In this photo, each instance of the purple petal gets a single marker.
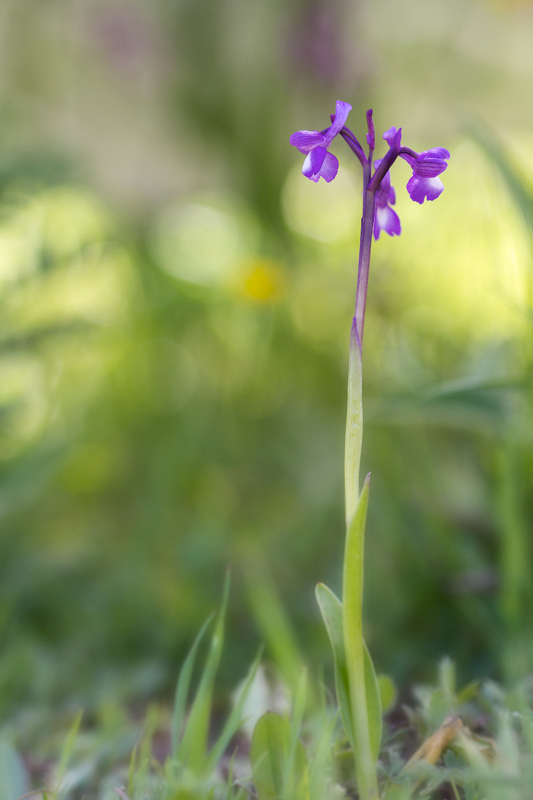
(427, 166)
(436, 152)
(385, 193)
(305, 141)
(330, 167)
(307, 168)
(419, 188)
(390, 135)
(386, 219)
(341, 115)
(314, 161)
(397, 141)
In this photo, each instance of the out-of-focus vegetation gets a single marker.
(175, 304)
(471, 742)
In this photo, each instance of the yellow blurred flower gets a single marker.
(261, 281)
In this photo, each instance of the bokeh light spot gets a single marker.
(327, 212)
(200, 243)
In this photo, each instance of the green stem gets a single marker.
(352, 604)
(354, 427)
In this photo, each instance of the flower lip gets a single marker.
(420, 189)
(386, 219)
(320, 163)
(313, 162)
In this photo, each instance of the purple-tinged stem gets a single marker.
(365, 246)
(354, 416)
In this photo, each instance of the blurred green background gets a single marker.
(175, 303)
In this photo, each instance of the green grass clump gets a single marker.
(473, 742)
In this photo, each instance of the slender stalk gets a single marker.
(367, 223)
(356, 506)
(354, 415)
(354, 426)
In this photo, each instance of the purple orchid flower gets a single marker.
(426, 166)
(385, 218)
(319, 162)
(378, 194)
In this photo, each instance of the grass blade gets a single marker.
(182, 688)
(191, 752)
(66, 754)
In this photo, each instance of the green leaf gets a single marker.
(13, 779)
(468, 692)
(387, 692)
(373, 705)
(331, 610)
(270, 752)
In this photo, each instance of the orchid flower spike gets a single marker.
(424, 183)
